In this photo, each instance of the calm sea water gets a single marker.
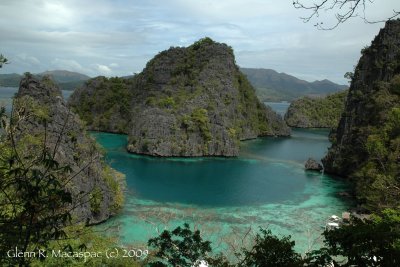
(265, 186)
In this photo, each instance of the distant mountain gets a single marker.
(274, 86)
(64, 76)
(67, 80)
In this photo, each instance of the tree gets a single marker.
(271, 251)
(3, 60)
(35, 206)
(343, 10)
(368, 242)
(181, 247)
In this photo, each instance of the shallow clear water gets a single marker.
(225, 197)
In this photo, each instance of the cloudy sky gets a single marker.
(118, 37)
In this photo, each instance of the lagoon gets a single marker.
(266, 186)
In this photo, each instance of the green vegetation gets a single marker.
(3, 60)
(308, 112)
(269, 250)
(114, 181)
(368, 242)
(371, 159)
(95, 199)
(107, 107)
(40, 187)
(181, 247)
(33, 193)
(202, 122)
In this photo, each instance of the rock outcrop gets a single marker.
(190, 102)
(95, 187)
(312, 165)
(322, 112)
(366, 146)
(369, 100)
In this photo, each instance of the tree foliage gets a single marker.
(269, 250)
(3, 61)
(181, 247)
(35, 206)
(343, 10)
(368, 242)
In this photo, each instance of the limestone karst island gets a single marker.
(200, 133)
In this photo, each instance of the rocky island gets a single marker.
(188, 102)
(96, 189)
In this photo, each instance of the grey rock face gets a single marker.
(378, 64)
(313, 165)
(75, 148)
(195, 102)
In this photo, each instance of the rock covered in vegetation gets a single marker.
(312, 165)
(368, 136)
(95, 187)
(196, 103)
(324, 112)
(104, 104)
(187, 102)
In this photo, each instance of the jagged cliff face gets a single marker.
(95, 187)
(368, 103)
(192, 101)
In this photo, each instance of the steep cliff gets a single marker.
(322, 112)
(96, 188)
(367, 144)
(188, 102)
(194, 101)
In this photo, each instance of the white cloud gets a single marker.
(31, 60)
(103, 69)
(67, 64)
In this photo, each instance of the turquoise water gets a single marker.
(227, 197)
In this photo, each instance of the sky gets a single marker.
(118, 37)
